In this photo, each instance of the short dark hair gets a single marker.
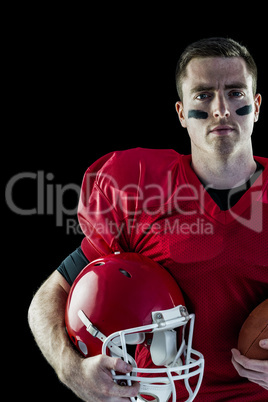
(214, 47)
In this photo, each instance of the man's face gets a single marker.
(218, 108)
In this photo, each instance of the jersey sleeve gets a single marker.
(107, 198)
(115, 191)
(73, 265)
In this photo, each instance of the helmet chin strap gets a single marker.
(90, 327)
(114, 349)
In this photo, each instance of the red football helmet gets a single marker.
(125, 299)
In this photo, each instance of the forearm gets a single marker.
(90, 379)
(46, 320)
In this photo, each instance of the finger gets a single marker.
(117, 364)
(243, 360)
(238, 358)
(264, 344)
(250, 364)
(261, 383)
(251, 375)
(125, 391)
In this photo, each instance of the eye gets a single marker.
(202, 96)
(236, 94)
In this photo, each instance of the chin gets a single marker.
(224, 146)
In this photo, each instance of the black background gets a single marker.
(81, 83)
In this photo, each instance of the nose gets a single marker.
(220, 107)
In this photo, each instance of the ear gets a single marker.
(181, 115)
(257, 104)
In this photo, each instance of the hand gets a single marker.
(94, 382)
(255, 370)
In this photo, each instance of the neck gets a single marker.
(224, 173)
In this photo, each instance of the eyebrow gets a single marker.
(201, 87)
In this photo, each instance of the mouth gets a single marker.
(222, 130)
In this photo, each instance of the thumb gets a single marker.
(117, 364)
(264, 344)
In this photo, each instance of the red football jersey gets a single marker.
(151, 202)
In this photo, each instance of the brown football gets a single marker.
(252, 331)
